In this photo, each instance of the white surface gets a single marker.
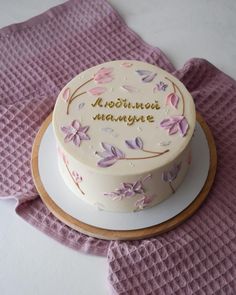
(84, 212)
(182, 29)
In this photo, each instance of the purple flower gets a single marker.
(172, 99)
(171, 175)
(175, 124)
(129, 189)
(135, 144)
(75, 132)
(110, 155)
(143, 202)
(160, 87)
(147, 76)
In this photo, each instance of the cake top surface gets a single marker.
(124, 117)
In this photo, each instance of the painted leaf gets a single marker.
(127, 64)
(183, 126)
(143, 72)
(97, 90)
(66, 94)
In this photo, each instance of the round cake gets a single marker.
(123, 131)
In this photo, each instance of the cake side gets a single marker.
(123, 131)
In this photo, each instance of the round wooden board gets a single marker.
(106, 234)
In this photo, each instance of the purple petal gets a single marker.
(104, 154)
(106, 146)
(67, 129)
(84, 136)
(117, 152)
(143, 72)
(131, 144)
(84, 129)
(69, 137)
(173, 129)
(183, 126)
(76, 124)
(166, 123)
(76, 140)
(139, 142)
(107, 162)
(149, 78)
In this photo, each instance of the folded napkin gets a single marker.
(37, 58)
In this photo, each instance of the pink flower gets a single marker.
(104, 75)
(172, 99)
(142, 202)
(75, 133)
(175, 124)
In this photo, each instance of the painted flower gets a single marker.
(97, 90)
(77, 178)
(104, 75)
(135, 144)
(110, 155)
(63, 156)
(75, 133)
(171, 175)
(129, 189)
(143, 202)
(160, 87)
(147, 76)
(172, 99)
(175, 124)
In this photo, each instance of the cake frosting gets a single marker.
(123, 131)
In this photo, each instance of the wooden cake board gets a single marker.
(123, 234)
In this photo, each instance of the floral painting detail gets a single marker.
(66, 94)
(110, 155)
(75, 133)
(171, 175)
(77, 178)
(172, 99)
(104, 75)
(127, 64)
(63, 156)
(97, 90)
(143, 202)
(165, 143)
(161, 86)
(175, 124)
(129, 88)
(147, 76)
(135, 144)
(129, 189)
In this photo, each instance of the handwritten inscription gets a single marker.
(124, 103)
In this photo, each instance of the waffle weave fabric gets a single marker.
(37, 58)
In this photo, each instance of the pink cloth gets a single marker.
(36, 59)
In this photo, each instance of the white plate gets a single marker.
(72, 205)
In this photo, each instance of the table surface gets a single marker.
(182, 29)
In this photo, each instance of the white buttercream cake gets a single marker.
(123, 131)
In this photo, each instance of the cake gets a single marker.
(123, 131)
